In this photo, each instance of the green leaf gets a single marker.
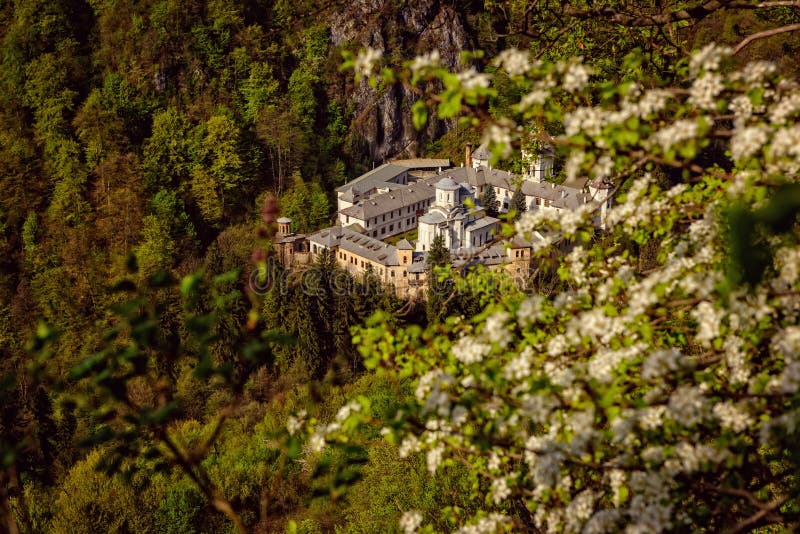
(419, 114)
(450, 107)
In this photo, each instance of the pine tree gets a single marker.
(489, 201)
(518, 206)
(438, 255)
(438, 290)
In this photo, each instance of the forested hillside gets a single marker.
(158, 373)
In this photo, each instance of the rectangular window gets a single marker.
(391, 227)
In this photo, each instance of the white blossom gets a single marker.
(533, 98)
(472, 79)
(499, 136)
(367, 61)
(494, 462)
(425, 61)
(519, 368)
(409, 446)
(410, 521)
(469, 350)
(584, 119)
(732, 416)
(747, 141)
(662, 362)
(688, 405)
(579, 510)
(675, 134)
(434, 458)
(513, 61)
(295, 423)
(708, 58)
(651, 102)
(709, 321)
(495, 328)
(500, 490)
(316, 442)
(485, 525)
(576, 77)
(784, 109)
(705, 90)
(754, 72)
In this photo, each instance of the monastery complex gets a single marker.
(436, 199)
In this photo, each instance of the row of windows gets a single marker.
(353, 260)
(398, 212)
(383, 229)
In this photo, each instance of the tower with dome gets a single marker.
(454, 216)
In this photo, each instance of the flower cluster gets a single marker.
(621, 395)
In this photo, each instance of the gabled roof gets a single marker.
(559, 196)
(379, 175)
(481, 176)
(404, 245)
(494, 255)
(422, 163)
(482, 153)
(385, 202)
(361, 245)
(483, 222)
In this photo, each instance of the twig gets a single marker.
(767, 33)
(765, 511)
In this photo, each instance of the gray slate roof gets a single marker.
(482, 152)
(359, 244)
(494, 255)
(483, 222)
(392, 200)
(422, 163)
(447, 184)
(379, 175)
(433, 217)
(482, 176)
(558, 195)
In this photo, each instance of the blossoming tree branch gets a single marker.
(655, 386)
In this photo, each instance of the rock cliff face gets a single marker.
(419, 26)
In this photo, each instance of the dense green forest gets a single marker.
(158, 372)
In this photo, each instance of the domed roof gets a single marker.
(448, 184)
(284, 220)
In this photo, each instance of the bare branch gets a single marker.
(767, 5)
(754, 519)
(764, 34)
(655, 19)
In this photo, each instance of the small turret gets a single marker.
(284, 226)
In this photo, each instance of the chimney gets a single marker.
(468, 156)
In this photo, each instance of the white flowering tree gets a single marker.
(657, 387)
